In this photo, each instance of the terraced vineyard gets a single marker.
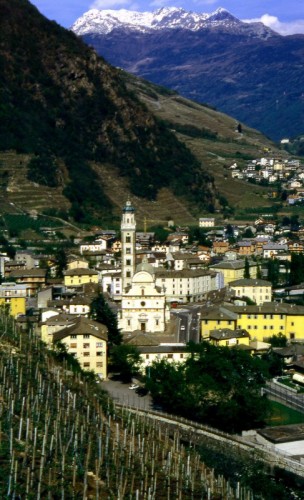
(18, 194)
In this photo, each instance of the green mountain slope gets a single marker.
(68, 107)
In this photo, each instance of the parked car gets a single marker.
(133, 387)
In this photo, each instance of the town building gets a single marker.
(234, 270)
(87, 341)
(261, 322)
(34, 279)
(13, 295)
(206, 222)
(79, 276)
(257, 290)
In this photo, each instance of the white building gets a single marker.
(186, 285)
(206, 222)
(258, 290)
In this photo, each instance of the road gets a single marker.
(121, 393)
(188, 324)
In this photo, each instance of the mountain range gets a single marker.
(243, 69)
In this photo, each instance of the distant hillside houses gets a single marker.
(271, 170)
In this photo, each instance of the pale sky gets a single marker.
(284, 16)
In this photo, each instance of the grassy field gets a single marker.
(283, 415)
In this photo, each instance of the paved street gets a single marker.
(121, 393)
(188, 324)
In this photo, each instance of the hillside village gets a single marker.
(232, 285)
(274, 171)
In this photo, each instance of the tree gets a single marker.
(279, 340)
(246, 269)
(100, 311)
(273, 271)
(125, 359)
(296, 275)
(259, 273)
(61, 262)
(215, 385)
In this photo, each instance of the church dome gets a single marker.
(145, 266)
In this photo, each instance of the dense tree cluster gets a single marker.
(100, 311)
(218, 386)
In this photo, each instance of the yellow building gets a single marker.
(234, 270)
(261, 322)
(13, 295)
(87, 341)
(225, 337)
(80, 276)
(259, 291)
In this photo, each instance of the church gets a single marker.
(143, 304)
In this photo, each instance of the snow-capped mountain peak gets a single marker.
(104, 21)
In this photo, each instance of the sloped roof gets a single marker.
(82, 326)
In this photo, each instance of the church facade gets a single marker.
(143, 304)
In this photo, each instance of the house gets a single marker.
(14, 296)
(34, 279)
(87, 341)
(234, 270)
(79, 276)
(258, 290)
(206, 222)
(272, 250)
(77, 263)
(173, 353)
(229, 338)
(94, 246)
(220, 247)
(26, 258)
(246, 247)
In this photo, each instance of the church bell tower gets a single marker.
(128, 236)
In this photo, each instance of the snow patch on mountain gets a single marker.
(103, 22)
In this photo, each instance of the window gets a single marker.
(128, 262)
(292, 323)
(143, 303)
(98, 353)
(128, 250)
(128, 274)
(143, 291)
(73, 336)
(128, 239)
(99, 344)
(99, 364)
(292, 335)
(86, 346)
(73, 346)
(181, 356)
(86, 364)
(86, 336)
(86, 353)
(170, 356)
(147, 356)
(157, 322)
(129, 322)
